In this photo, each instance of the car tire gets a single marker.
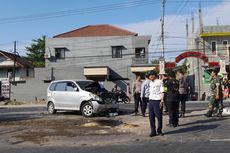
(51, 108)
(87, 110)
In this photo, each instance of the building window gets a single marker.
(9, 73)
(225, 44)
(60, 53)
(140, 52)
(214, 46)
(117, 51)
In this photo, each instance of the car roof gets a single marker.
(72, 80)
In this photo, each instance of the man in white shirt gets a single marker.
(155, 103)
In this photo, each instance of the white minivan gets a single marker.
(76, 95)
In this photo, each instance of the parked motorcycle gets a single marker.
(121, 96)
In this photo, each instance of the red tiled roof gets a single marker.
(19, 60)
(96, 30)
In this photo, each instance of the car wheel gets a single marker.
(51, 108)
(87, 110)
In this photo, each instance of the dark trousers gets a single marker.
(155, 111)
(144, 105)
(165, 102)
(137, 100)
(173, 108)
(183, 98)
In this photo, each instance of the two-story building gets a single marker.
(213, 42)
(99, 52)
(103, 53)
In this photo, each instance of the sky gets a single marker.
(24, 20)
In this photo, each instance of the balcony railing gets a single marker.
(141, 60)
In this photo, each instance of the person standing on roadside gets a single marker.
(183, 90)
(145, 94)
(215, 87)
(128, 91)
(226, 89)
(137, 93)
(173, 99)
(165, 80)
(156, 96)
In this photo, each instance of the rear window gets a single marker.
(52, 86)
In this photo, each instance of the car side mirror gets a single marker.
(75, 89)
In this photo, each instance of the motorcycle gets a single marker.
(121, 96)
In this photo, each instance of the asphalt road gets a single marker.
(140, 147)
(197, 136)
(31, 112)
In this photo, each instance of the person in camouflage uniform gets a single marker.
(220, 104)
(215, 93)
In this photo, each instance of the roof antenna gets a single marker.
(193, 27)
(200, 19)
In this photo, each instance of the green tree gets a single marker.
(36, 51)
(155, 61)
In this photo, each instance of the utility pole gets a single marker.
(14, 68)
(162, 58)
(201, 30)
(162, 26)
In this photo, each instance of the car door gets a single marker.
(59, 95)
(74, 95)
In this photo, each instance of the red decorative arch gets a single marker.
(192, 54)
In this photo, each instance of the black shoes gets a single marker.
(169, 125)
(152, 135)
(182, 115)
(160, 134)
(208, 114)
(175, 125)
(172, 125)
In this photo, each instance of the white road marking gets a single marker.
(220, 140)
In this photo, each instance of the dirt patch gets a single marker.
(39, 131)
(129, 126)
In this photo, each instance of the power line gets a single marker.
(95, 9)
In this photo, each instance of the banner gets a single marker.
(5, 88)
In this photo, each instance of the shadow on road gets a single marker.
(195, 109)
(194, 115)
(197, 128)
(203, 121)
